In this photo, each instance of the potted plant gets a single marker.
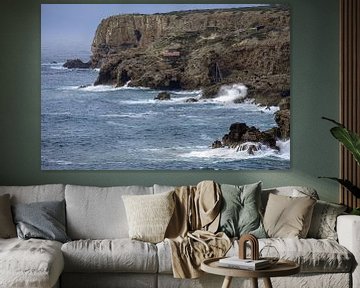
(351, 141)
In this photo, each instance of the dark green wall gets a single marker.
(314, 88)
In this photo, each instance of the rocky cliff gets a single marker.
(200, 49)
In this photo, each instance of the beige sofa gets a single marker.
(102, 255)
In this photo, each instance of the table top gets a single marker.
(281, 268)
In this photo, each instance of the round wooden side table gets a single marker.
(281, 268)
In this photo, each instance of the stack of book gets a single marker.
(248, 264)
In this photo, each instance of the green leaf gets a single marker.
(355, 211)
(349, 139)
(347, 184)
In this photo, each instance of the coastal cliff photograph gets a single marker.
(165, 86)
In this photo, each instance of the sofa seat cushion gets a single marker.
(313, 255)
(110, 255)
(30, 263)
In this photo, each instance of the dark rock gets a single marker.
(84, 86)
(191, 100)
(210, 91)
(245, 138)
(163, 96)
(282, 118)
(77, 63)
(216, 144)
(237, 130)
(285, 104)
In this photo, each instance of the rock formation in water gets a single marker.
(198, 49)
(250, 139)
(245, 138)
(282, 118)
(163, 96)
(77, 63)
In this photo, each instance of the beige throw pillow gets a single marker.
(288, 217)
(7, 226)
(149, 215)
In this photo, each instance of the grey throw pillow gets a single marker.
(240, 213)
(323, 222)
(44, 220)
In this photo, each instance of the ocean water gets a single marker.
(108, 128)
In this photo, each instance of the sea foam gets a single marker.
(230, 93)
(236, 154)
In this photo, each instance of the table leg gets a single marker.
(254, 282)
(267, 283)
(227, 282)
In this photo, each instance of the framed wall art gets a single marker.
(165, 86)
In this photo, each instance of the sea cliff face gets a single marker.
(201, 49)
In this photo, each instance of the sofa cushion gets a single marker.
(43, 220)
(117, 255)
(149, 215)
(313, 255)
(323, 222)
(287, 216)
(98, 213)
(30, 263)
(7, 226)
(240, 212)
(36, 193)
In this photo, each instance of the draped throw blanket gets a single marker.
(191, 231)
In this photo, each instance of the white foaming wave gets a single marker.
(68, 88)
(99, 88)
(187, 92)
(247, 106)
(235, 154)
(230, 93)
(181, 99)
(60, 162)
(58, 67)
(268, 109)
(139, 102)
(284, 149)
(177, 100)
(102, 88)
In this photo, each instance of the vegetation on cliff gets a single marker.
(200, 49)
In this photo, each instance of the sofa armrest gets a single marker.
(348, 230)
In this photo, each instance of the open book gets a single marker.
(236, 262)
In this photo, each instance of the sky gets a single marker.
(74, 25)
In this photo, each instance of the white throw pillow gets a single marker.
(149, 215)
